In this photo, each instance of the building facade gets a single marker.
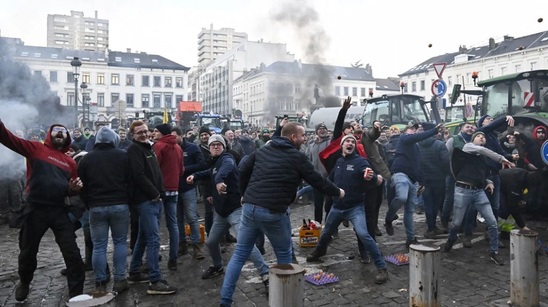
(214, 43)
(119, 86)
(75, 31)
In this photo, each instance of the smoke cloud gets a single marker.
(304, 20)
(26, 101)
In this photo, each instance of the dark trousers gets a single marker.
(35, 226)
(133, 226)
(319, 199)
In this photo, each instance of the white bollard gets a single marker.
(424, 267)
(524, 279)
(286, 285)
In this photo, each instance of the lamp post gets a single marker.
(85, 104)
(75, 63)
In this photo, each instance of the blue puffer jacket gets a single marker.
(348, 175)
(269, 177)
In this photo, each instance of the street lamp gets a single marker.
(85, 104)
(75, 63)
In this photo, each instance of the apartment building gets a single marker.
(213, 43)
(75, 31)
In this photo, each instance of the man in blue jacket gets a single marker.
(351, 172)
(407, 174)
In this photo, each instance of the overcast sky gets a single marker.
(392, 36)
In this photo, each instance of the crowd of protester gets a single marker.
(120, 182)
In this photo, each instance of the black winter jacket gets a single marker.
(146, 176)
(269, 177)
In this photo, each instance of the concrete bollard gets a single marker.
(524, 279)
(286, 286)
(424, 267)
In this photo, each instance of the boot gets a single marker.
(197, 252)
(183, 248)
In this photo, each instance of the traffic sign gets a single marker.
(439, 88)
(544, 152)
(439, 68)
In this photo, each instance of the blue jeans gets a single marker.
(356, 216)
(170, 207)
(433, 200)
(463, 199)
(101, 219)
(187, 206)
(405, 195)
(149, 238)
(494, 198)
(255, 221)
(218, 231)
(447, 209)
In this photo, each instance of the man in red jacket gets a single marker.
(51, 176)
(170, 157)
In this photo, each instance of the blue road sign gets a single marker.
(442, 88)
(544, 152)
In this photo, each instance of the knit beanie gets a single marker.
(348, 136)
(476, 134)
(216, 138)
(480, 121)
(346, 125)
(204, 129)
(165, 129)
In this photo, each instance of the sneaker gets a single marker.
(21, 291)
(212, 272)
(467, 241)
(266, 282)
(120, 286)
(160, 287)
(389, 228)
(497, 259)
(408, 243)
(382, 276)
(99, 290)
(137, 278)
(448, 245)
(430, 234)
(346, 223)
(172, 264)
(365, 259)
(314, 256)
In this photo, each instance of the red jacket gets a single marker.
(170, 157)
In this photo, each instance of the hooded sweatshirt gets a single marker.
(104, 171)
(49, 169)
(170, 157)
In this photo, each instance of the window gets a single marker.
(354, 91)
(100, 99)
(129, 100)
(113, 98)
(413, 86)
(337, 91)
(362, 91)
(178, 98)
(115, 79)
(145, 81)
(168, 101)
(518, 68)
(100, 78)
(503, 71)
(179, 82)
(157, 81)
(168, 82)
(70, 99)
(450, 81)
(489, 73)
(38, 73)
(345, 91)
(129, 80)
(533, 65)
(86, 78)
(157, 100)
(423, 85)
(145, 100)
(52, 76)
(70, 77)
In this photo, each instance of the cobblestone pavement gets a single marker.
(468, 277)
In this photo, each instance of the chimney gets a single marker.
(492, 44)
(128, 50)
(508, 37)
(462, 49)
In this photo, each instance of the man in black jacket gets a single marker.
(146, 192)
(269, 179)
